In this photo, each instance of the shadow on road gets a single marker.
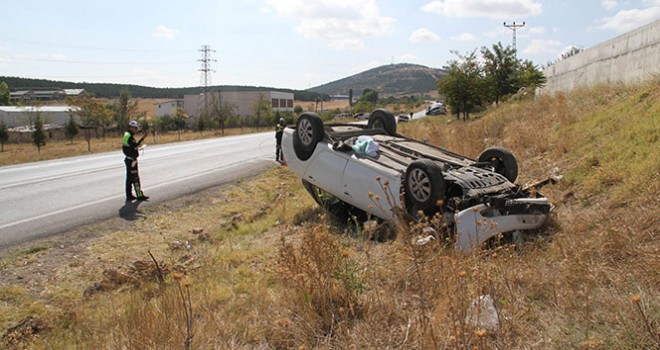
(130, 211)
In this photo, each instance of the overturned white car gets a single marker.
(351, 169)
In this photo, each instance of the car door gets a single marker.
(360, 179)
(325, 169)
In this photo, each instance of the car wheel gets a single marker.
(424, 184)
(502, 160)
(382, 119)
(309, 131)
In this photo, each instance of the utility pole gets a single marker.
(206, 70)
(514, 27)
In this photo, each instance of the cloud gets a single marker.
(626, 20)
(526, 32)
(423, 35)
(539, 46)
(609, 4)
(464, 37)
(58, 57)
(500, 9)
(536, 30)
(163, 32)
(344, 25)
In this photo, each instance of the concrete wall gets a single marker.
(629, 58)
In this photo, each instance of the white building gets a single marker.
(14, 116)
(167, 108)
(243, 101)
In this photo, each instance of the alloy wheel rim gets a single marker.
(420, 185)
(305, 132)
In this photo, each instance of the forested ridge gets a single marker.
(108, 90)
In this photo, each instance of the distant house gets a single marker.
(43, 94)
(14, 116)
(167, 108)
(243, 101)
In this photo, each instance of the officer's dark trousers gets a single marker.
(132, 178)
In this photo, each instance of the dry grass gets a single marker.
(272, 272)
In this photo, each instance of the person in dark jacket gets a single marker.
(130, 149)
(279, 131)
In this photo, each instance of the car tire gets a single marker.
(309, 131)
(424, 185)
(502, 160)
(382, 119)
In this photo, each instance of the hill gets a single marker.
(390, 80)
(262, 267)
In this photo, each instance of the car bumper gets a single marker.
(477, 224)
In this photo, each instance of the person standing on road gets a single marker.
(279, 131)
(130, 149)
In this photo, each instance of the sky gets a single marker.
(288, 44)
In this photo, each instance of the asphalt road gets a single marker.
(50, 197)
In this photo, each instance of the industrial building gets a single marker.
(14, 116)
(243, 101)
(167, 108)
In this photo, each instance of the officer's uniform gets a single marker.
(279, 131)
(130, 149)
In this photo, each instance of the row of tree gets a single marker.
(474, 82)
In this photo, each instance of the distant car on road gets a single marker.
(361, 115)
(351, 170)
(436, 109)
(342, 115)
(403, 118)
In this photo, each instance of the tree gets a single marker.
(221, 110)
(350, 97)
(500, 67)
(180, 121)
(201, 124)
(531, 76)
(38, 135)
(4, 135)
(297, 109)
(71, 129)
(462, 87)
(363, 107)
(5, 95)
(92, 113)
(126, 110)
(262, 108)
(369, 95)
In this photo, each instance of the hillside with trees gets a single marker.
(389, 80)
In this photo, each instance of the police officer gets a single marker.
(279, 130)
(130, 149)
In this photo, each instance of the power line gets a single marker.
(514, 27)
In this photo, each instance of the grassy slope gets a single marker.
(589, 280)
